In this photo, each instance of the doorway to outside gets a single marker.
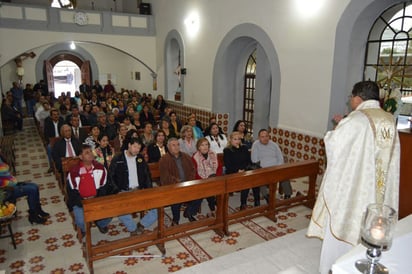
(66, 77)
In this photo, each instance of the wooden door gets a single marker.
(48, 75)
(85, 72)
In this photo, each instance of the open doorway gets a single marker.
(67, 78)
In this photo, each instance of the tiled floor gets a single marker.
(53, 247)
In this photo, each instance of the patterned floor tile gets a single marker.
(54, 248)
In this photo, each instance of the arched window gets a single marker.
(389, 50)
(249, 91)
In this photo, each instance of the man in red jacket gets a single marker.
(86, 181)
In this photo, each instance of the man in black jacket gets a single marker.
(65, 147)
(10, 114)
(76, 113)
(129, 172)
(52, 125)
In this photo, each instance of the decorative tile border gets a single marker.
(294, 145)
(297, 146)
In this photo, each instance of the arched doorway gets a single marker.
(229, 76)
(67, 78)
(174, 62)
(51, 63)
(62, 52)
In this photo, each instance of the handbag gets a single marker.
(253, 166)
(109, 189)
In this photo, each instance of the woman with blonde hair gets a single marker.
(246, 137)
(187, 142)
(236, 158)
(197, 132)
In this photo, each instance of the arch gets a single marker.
(173, 45)
(62, 50)
(228, 74)
(350, 45)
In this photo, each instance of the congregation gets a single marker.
(116, 135)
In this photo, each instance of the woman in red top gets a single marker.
(206, 165)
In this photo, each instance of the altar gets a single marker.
(297, 254)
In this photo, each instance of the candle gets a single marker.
(377, 232)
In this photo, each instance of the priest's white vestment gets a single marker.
(362, 168)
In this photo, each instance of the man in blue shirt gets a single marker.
(269, 154)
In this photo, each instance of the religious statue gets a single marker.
(19, 63)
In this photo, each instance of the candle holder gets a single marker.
(377, 230)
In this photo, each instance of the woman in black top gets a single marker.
(236, 158)
(158, 148)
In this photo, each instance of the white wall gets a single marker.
(128, 6)
(109, 60)
(304, 46)
(305, 49)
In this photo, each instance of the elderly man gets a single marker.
(363, 167)
(176, 167)
(104, 126)
(65, 147)
(269, 154)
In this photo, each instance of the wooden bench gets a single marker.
(8, 127)
(130, 202)
(271, 176)
(67, 164)
(154, 171)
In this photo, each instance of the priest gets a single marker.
(363, 167)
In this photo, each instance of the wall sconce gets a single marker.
(72, 46)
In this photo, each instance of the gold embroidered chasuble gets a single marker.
(362, 168)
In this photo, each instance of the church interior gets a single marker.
(285, 66)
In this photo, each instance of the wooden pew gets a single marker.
(67, 164)
(271, 176)
(130, 202)
(154, 171)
